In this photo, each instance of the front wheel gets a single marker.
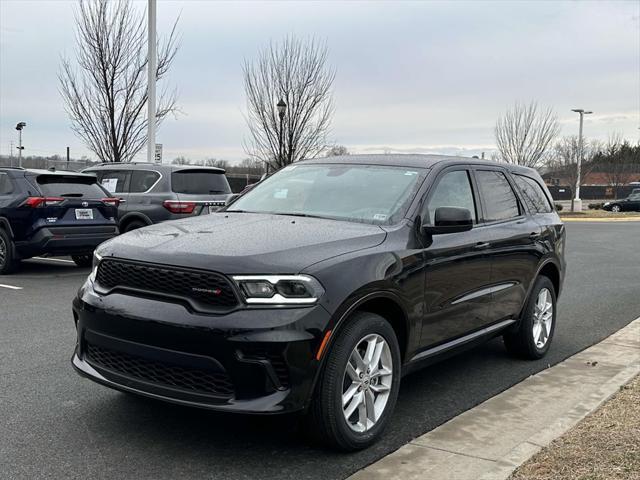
(616, 209)
(82, 260)
(533, 337)
(359, 384)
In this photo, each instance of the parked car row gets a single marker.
(48, 212)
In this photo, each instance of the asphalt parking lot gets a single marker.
(54, 424)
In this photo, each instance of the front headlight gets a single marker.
(94, 268)
(279, 289)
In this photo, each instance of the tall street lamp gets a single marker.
(282, 108)
(577, 202)
(19, 127)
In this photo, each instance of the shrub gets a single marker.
(596, 206)
(558, 207)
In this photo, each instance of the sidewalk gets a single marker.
(492, 439)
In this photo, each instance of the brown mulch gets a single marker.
(603, 446)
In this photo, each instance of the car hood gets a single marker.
(241, 243)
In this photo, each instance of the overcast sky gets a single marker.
(411, 76)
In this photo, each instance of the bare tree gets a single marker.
(295, 71)
(565, 160)
(336, 151)
(181, 161)
(616, 166)
(525, 134)
(106, 98)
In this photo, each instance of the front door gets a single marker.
(458, 269)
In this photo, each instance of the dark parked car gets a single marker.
(45, 212)
(319, 288)
(155, 193)
(629, 204)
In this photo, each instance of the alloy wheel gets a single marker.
(615, 209)
(542, 318)
(367, 383)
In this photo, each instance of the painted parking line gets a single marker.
(10, 287)
(53, 259)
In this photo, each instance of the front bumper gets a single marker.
(250, 360)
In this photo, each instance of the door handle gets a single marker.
(482, 245)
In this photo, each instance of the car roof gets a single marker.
(66, 173)
(415, 161)
(150, 166)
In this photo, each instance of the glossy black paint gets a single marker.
(439, 292)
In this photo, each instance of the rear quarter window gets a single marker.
(70, 186)
(199, 182)
(5, 184)
(533, 194)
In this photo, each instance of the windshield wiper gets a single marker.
(293, 214)
(76, 195)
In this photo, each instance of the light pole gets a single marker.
(19, 127)
(577, 203)
(282, 108)
(151, 82)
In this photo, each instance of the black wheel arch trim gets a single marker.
(6, 226)
(131, 216)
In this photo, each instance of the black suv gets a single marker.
(152, 193)
(56, 213)
(319, 288)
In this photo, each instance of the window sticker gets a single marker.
(410, 173)
(110, 184)
(380, 217)
(281, 193)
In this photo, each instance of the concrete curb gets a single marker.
(489, 441)
(599, 219)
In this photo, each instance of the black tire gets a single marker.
(8, 260)
(616, 208)
(134, 225)
(82, 260)
(326, 417)
(521, 343)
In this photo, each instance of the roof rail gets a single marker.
(8, 166)
(122, 163)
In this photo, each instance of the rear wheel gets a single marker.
(8, 262)
(535, 332)
(82, 260)
(359, 384)
(134, 225)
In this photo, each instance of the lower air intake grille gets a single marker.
(173, 376)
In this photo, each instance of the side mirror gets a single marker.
(449, 220)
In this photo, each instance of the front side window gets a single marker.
(533, 194)
(498, 198)
(359, 193)
(453, 190)
(142, 180)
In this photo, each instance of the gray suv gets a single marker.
(155, 193)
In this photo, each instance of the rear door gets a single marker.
(69, 200)
(116, 182)
(207, 188)
(513, 245)
(458, 269)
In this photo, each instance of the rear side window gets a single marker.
(498, 198)
(199, 182)
(453, 190)
(5, 184)
(142, 180)
(114, 181)
(533, 194)
(69, 186)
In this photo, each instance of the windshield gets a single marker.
(359, 193)
(199, 182)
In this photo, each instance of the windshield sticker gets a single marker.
(380, 216)
(281, 193)
(409, 172)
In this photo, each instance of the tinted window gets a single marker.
(5, 184)
(113, 181)
(142, 180)
(358, 193)
(199, 182)
(500, 203)
(69, 186)
(453, 190)
(533, 194)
